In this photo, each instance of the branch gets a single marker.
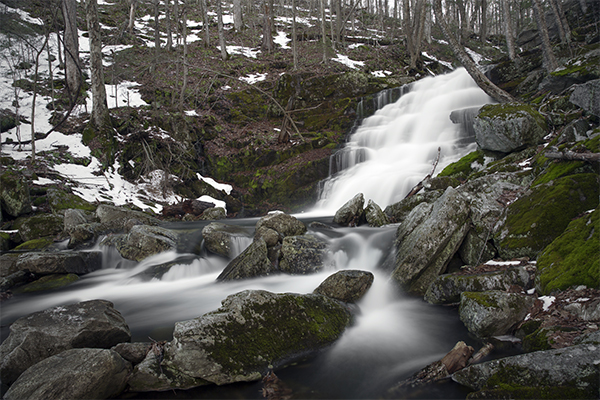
(571, 155)
(419, 185)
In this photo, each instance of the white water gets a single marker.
(400, 142)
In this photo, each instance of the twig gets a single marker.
(419, 185)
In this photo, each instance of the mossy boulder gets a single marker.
(493, 312)
(60, 200)
(48, 282)
(351, 213)
(35, 244)
(374, 215)
(348, 286)
(303, 254)
(219, 238)
(14, 194)
(587, 96)
(397, 212)
(48, 263)
(252, 331)
(461, 169)
(534, 220)
(283, 224)
(570, 373)
(39, 226)
(251, 263)
(144, 241)
(508, 127)
(572, 258)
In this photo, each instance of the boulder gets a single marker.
(60, 200)
(84, 233)
(302, 255)
(252, 331)
(508, 127)
(73, 374)
(428, 239)
(114, 218)
(270, 236)
(538, 217)
(351, 213)
(570, 373)
(38, 226)
(251, 263)
(374, 215)
(133, 352)
(74, 217)
(75, 262)
(283, 224)
(587, 96)
(214, 213)
(43, 334)
(494, 312)
(144, 241)
(348, 286)
(397, 212)
(571, 259)
(219, 237)
(48, 282)
(14, 194)
(447, 288)
(465, 118)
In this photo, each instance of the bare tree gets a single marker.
(71, 47)
(267, 40)
(482, 81)
(414, 28)
(483, 28)
(100, 116)
(294, 38)
(508, 29)
(238, 22)
(205, 23)
(130, 25)
(168, 23)
(224, 54)
(550, 61)
(323, 30)
(185, 53)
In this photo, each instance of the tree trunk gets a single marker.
(549, 59)
(224, 55)
(482, 81)
(35, 80)
(130, 25)
(205, 23)
(267, 41)
(323, 32)
(462, 14)
(508, 29)
(237, 15)
(156, 27)
(168, 23)
(100, 117)
(483, 28)
(563, 25)
(185, 53)
(294, 38)
(71, 38)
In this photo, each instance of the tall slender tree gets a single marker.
(222, 44)
(294, 37)
(238, 22)
(508, 29)
(100, 116)
(550, 61)
(71, 47)
(267, 39)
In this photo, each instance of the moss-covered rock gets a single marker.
(572, 258)
(14, 194)
(253, 330)
(464, 167)
(48, 282)
(35, 244)
(535, 220)
(60, 200)
(39, 226)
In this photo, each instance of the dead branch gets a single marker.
(419, 185)
(571, 156)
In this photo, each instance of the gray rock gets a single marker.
(428, 239)
(144, 241)
(575, 131)
(75, 262)
(302, 255)
(8, 264)
(114, 218)
(348, 286)
(38, 226)
(43, 334)
(572, 371)
(74, 217)
(350, 213)
(14, 194)
(251, 263)
(133, 352)
(447, 288)
(465, 118)
(15, 279)
(219, 237)
(270, 236)
(494, 312)
(508, 127)
(284, 224)
(374, 215)
(84, 233)
(587, 96)
(253, 331)
(587, 311)
(214, 213)
(397, 212)
(73, 374)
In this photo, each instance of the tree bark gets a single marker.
(130, 25)
(205, 23)
(238, 22)
(100, 117)
(561, 21)
(267, 40)
(483, 29)
(549, 59)
(294, 38)
(35, 80)
(323, 32)
(168, 23)
(480, 79)
(224, 55)
(185, 53)
(71, 38)
(508, 29)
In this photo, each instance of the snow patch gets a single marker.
(348, 62)
(282, 40)
(219, 186)
(253, 78)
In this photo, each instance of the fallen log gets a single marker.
(572, 156)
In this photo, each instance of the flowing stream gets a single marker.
(394, 336)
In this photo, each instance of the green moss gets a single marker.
(60, 200)
(559, 169)
(463, 167)
(507, 111)
(483, 298)
(537, 340)
(507, 391)
(38, 226)
(35, 244)
(535, 220)
(572, 258)
(49, 282)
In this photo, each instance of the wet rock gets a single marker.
(84, 233)
(284, 224)
(351, 213)
(447, 288)
(508, 127)
(76, 262)
(374, 215)
(571, 372)
(253, 331)
(114, 218)
(15, 279)
(48, 282)
(74, 217)
(348, 286)
(397, 212)
(14, 194)
(570, 258)
(73, 374)
(60, 200)
(133, 352)
(270, 236)
(302, 255)
(144, 241)
(38, 226)
(251, 263)
(428, 239)
(493, 312)
(465, 118)
(587, 96)
(219, 237)
(43, 334)
(214, 213)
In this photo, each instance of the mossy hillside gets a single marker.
(572, 258)
(536, 219)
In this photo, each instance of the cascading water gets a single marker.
(393, 336)
(395, 148)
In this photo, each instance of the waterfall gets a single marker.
(394, 149)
